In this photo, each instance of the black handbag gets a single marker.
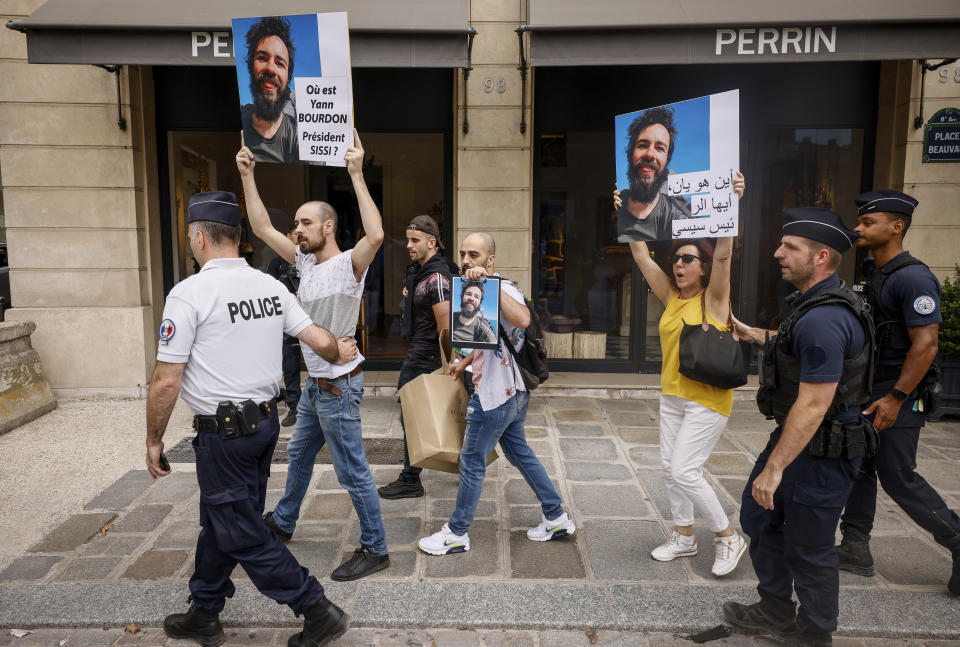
(715, 357)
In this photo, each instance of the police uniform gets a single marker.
(226, 323)
(825, 337)
(902, 293)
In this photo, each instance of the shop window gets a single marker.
(583, 288)
(803, 167)
(405, 175)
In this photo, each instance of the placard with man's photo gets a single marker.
(475, 313)
(676, 165)
(296, 87)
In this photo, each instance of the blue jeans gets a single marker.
(324, 418)
(484, 430)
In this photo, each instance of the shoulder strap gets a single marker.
(875, 286)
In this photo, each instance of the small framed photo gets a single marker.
(475, 313)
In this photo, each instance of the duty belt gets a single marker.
(209, 424)
(327, 383)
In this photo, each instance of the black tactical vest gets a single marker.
(780, 368)
(893, 341)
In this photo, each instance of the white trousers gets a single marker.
(688, 433)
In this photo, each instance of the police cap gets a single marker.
(214, 206)
(821, 225)
(887, 201)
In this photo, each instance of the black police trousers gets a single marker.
(896, 466)
(792, 546)
(233, 487)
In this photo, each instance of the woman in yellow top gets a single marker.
(692, 414)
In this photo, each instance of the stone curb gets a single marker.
(534, 606)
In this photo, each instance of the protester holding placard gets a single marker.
(692, 414)
(496, 414)
(331, 286)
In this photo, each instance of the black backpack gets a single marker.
(532, 356)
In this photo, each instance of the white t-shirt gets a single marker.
(496, 376)
(330, 294)
(226, 323)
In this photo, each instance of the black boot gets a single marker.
(771, 615)
(854, 552)
(200, 625)
(954, 584)
(401, 489)
(322, 623)
(809, 636)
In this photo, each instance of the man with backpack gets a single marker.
(501, 381)
(904, 299)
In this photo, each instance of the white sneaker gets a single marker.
(729, 550)
(549, 529)
(678, 546)
(445, 542)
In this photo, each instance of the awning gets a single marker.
(638, 32)
(383, 33)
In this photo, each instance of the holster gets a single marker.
(233, 421)
(856, 439)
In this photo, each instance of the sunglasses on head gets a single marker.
(686, 258)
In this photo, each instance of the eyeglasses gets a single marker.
(686, 258)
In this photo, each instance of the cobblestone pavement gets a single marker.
(433, 637)
(127, 554)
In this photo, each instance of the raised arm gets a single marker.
(718, 291)
(656, 278)
(658, 281)
(366, 248)
(257, 212)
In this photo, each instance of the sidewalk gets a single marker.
(79, 470)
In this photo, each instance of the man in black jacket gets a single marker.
(426, 311)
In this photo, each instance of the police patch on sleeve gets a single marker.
(924, 305)
(167, 330)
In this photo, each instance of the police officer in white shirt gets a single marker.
(220, 349)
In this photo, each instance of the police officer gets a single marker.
(904, 298)
(815, 376)
(220, 341)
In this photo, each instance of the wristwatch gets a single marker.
(899, 394)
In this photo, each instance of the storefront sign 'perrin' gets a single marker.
(941, 137)
(760, 41)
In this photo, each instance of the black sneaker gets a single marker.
(290, 419)
(323, 623)
(269, 522)
(401, 489)
(764, 617)
(361, 564)
(196, 624)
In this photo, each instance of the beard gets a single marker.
(264, 107)
(307, 248)
(641, 190)
(468, 310)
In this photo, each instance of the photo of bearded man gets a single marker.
(269, 122)
(647, 213)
